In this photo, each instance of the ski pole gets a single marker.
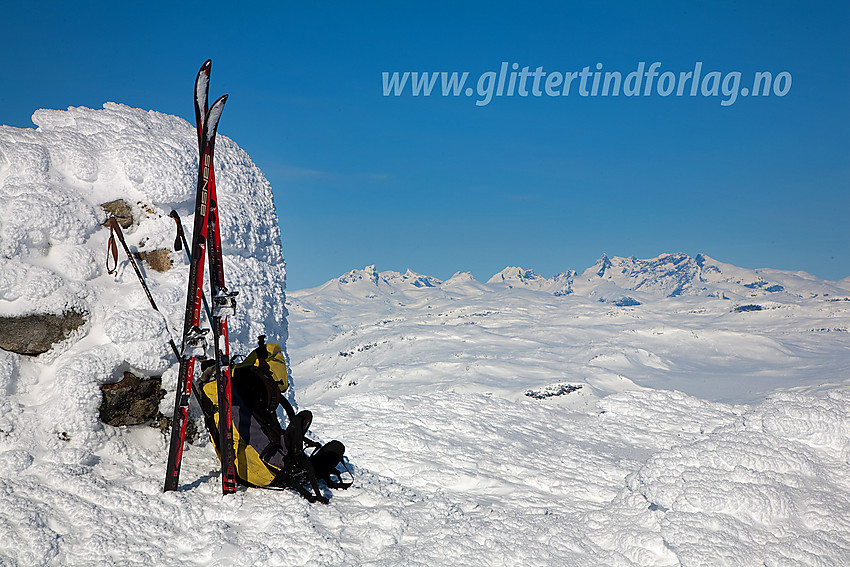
(112, 249)
(181, 242)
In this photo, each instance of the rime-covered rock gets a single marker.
(36, 334)
(131, 401)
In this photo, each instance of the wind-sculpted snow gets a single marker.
(52, 244)
(53, 179)
(769, 487)
(649, 478)
(612, 470)
(143, 338)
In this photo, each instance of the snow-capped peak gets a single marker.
(602, 266)
(367, 274)
(514, 275)
(626, 281)
(409, 278)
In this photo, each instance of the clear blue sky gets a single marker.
(439, 184)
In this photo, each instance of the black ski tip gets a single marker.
(173, 214)
(211, 121)
(217, 106)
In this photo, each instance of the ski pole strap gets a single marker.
(111, 248)
(114, 229)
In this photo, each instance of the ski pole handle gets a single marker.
(180, 239)
(112, 250)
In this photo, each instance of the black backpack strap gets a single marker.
(294, 434)
(270, 450)
(311, 477)
(325, 461)
(340, 484)
(287, 407)
(299, 488)
(301, 466)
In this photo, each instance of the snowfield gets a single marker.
(666, 411)
(574, 431)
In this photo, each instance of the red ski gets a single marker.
(206, 240)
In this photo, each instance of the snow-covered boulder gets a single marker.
(58, 184)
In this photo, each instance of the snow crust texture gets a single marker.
(686, 431)
(58, 509)
(53, 179)
(666, 411)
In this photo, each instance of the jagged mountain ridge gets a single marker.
(617, 280)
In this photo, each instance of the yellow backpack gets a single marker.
(267, 455)
(276, 364)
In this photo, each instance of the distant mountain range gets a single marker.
(616, 280)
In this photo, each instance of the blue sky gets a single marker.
(438, 184)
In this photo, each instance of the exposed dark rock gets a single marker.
(163, 423)
(132, 401)
(36, 334)
(158, 260)
(552, 391)
(121, 211)
(746, 308)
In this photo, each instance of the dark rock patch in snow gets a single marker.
(745, 308)
(159, 260)
(553, 391)
(32, 335)
(132, 401)
(121, 211)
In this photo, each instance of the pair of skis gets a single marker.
(206, 241)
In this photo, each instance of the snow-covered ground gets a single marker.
(692, 429)
(667, 411)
